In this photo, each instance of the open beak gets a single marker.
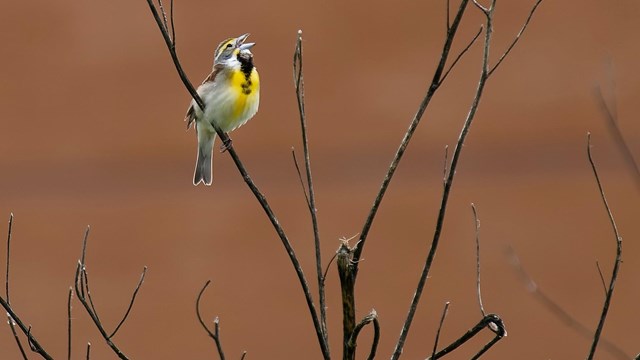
(240, 42)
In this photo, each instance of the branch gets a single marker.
(215, 335)
(13, 318)
(133, 299)
(491, 321)
(618, 258)
(324, 347)
(311, 200)
(83, 293)
(435, 84)
(347, 285)
(435, 343)
(484, 76)
(477, 226)
(69, 323)
(517, 38)
(372, 317)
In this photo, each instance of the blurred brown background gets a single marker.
(92, 133)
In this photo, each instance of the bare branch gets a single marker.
(484, 76)
(244, 353)
(304, 189)
(81, 285)
(324, 346)
(557, 310)
(88, 350)
(517, 38)
(491, 321)
(215, 335)
(435, 343)
(69, 323)
(13, 318)
(435, 84)
(618, 258)
(461, 54)
(12, 324)
(133, 299)
(6, 279)
(477, 226)
(372, 317)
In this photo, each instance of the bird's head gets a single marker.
(232, 49)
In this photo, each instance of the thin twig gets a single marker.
(81, 286)
(297, 166)
(611, 118)
(326, 270)
(435, 84)
(88, 350)
(324, 346)
(6, 279)
(10, 321)
(557, 310)
(604, 285)
(133, 299)
(244, 353)
(298, 77)
(12, 317)
(215, 335)
(461, 54)
(517, 38)
(69, 323)
(435, 343)
(618, 258)
(476, 222)
(372, 317)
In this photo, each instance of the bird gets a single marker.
(231, 95)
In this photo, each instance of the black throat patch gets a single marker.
(246, 66)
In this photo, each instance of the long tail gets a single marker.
(203, 172)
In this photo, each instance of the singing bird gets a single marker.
(231, 95)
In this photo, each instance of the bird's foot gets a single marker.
(226, 144)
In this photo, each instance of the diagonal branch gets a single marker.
(324, 346)
(618, 258)
(435, 343)
(435, 84)
(133, 299)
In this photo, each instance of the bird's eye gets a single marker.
(228, 45)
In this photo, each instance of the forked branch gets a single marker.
(618, 258)
(215, 334)
(83, 293)
(483, 78)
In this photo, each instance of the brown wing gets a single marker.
(190, 116)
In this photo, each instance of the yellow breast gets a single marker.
(245, 89)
